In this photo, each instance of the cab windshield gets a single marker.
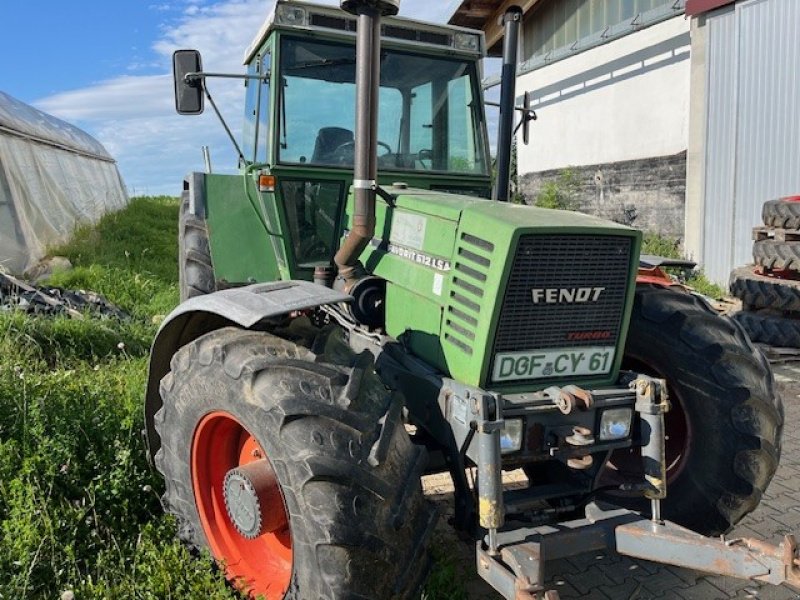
(429, 116)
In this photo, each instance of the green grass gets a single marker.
(79, 505)
(130, 256)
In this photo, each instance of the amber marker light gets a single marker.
(266, 183)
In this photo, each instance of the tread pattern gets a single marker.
(196, 272)
(782, 214)
(349, 472)
(728, 393)
(777, 255)
(783, 332)
(759, 291)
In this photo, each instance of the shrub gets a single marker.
(562, 193)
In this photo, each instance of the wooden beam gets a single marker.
(493, 28)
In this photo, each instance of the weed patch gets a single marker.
(79, 505)
(671, 248)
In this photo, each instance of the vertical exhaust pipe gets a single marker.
(512, 20)
(368, 77)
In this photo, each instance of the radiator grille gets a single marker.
(564, 262)
(470, 268)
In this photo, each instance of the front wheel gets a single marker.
(297, 474)
(724, 428)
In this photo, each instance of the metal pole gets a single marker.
(511, 20)
(207, 158)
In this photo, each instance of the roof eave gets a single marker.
(486, 15)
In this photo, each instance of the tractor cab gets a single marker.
(299, 124)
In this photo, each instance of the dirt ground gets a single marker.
(604, 576)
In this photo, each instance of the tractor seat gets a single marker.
(328, 140)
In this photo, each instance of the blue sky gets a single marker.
(49, 47)
(105, 67)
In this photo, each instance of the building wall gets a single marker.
(646, 193)
(624, 100)
(612, 113)
(555, 24)
(745, 127)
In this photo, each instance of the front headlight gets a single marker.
(511, 436)
(615, 424)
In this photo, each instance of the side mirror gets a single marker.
(188, 90)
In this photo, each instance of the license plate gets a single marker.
(561, 363)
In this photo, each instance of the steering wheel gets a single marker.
(423, 155)
(344, 153)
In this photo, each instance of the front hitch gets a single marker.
(512, 561)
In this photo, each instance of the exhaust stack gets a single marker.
(511, 21)
(368, 76)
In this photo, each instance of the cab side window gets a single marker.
(256, 110)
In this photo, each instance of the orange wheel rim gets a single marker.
(261, 565)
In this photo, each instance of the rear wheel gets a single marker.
(724, 428)
(195, 271)
(297, 474)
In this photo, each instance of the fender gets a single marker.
(243, 307)
(650, 270)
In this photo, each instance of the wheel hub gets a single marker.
(249, 490)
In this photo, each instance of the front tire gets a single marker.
(726, 420)
(356, 523)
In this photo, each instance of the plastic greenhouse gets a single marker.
(53, 176)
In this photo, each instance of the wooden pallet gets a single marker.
(779, 235)
(780, 355)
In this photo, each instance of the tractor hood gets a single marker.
(457, 266)
(453, 206)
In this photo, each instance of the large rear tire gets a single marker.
(767, 327)
(195, 270)
(783, 213)
(354, 524)
(781, 256)
(760, 291)
(724, 429)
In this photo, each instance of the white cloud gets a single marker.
(134, 116)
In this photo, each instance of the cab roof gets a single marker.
(294, 15)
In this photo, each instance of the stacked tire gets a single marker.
(770, 288)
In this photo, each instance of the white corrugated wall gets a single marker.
(753, 124)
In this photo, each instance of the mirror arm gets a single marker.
(191, 78)
(530, 114)
(225, 126)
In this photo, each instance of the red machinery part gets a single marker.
(261, 565)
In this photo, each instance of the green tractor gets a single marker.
(358, 312)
